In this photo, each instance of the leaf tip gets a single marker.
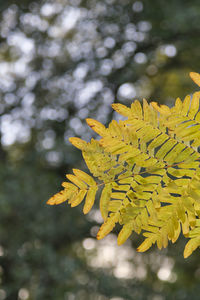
(49, 202)
(195, 77)
(78, 143)
(97, 126)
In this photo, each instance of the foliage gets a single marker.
(149, 166)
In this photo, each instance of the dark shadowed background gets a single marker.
(62, 61)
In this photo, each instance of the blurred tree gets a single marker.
(60, 62)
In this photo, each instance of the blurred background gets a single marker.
(62, 61)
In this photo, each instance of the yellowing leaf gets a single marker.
(63, 195)
(90, 198)
(136, 109)
(185, 227)
(58, 198)
(146, 244)
(147, 111)
(118, 195)
(178, 104)
(116, 130)
(114, 205)
(194, 107)
(78, 143)
(186, 105)
(195, 77)
(165, 148)
(78, 198)
(124, 234)
(121, 109)
(107, 226)
(177, 230)
(76, 181)
(104, 200)
(96, 126)
(163, 109)
(69, 186)
(84, 177)
(191, 246)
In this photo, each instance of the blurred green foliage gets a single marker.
(60, 62)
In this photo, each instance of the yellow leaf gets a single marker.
(170, 229)
(124, 234)
(197, 118)
(90, 198)
(157, 141)
(180, 211)
(104, 200)
(122, 187)
(147, 133)
(117, 195)
(69, 186)
(172, 155)
(77, 181)
(159, 241)
(144, 216)
(163, 109)
(165, 148)
(107, 226)
(115, 148)
(186, 105)
(121, 109)
(177, 230)
(115, 130)
(151, 209)
(194, 107)
(136, 109)
(191, 246)
(96, 126)
(114, 205)
(185, 227)
(178, 105)
(192, 218)
(146, 244)
(195, 77)
(58, 198)
(126, 179)
(129, 154)
(78, 143)
(147, 111)
(78, 198)
(84, 177)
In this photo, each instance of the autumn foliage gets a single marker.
(147, 168)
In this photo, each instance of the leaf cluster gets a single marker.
(148, 166)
